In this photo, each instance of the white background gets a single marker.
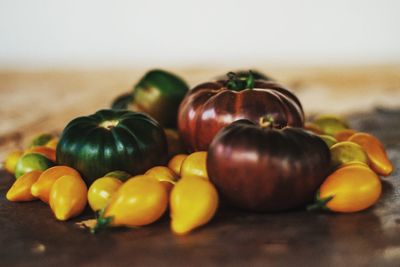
(97, 34)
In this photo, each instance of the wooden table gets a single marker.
(30, 236)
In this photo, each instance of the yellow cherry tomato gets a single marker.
(41, 189)
(176, 162)
(351, 188)
(21, 189)
(68, 197)
(193, 201)
(164, 175)
(11, 161)
(139, 201)
(195, 164)
(101, 191)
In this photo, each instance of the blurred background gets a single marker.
(61, 59)
(98, 34)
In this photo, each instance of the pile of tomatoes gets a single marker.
(249, 144)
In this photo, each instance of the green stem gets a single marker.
(250, 80)
(320, 203)
(238, 83)
(102, 222)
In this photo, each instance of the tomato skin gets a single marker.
(195, 164)
(175, 163)
(42, 187)
(194, 201)
(31, 162)
(119, 140)
(354, 187)
(21, 189)
(139, 201)
(164, 175)
(101, 192)
(48, 152)
(68, 197)
(378, 159)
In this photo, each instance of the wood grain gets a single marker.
(32, 102)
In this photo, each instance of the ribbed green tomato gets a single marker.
(158, 93)
(112, 140)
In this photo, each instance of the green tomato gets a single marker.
(41, 139)
(158, 94)
(112, 140)
(32, 162)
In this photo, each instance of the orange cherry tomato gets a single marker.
(21, 189)
(351, 188)
(48, 152)
(41, 189)
(376, 153)
(344, 135)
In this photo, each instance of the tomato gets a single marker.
(176, 162)
(42, 187)
(48, 152)
(139, 201)
(351, 188)
(378, 159)
(195, 164)
(31, 162)
(194, 201)
(21, 189)
(40, 139)
(68, 197)
(344, 135)
(101, 191)
(11, 161)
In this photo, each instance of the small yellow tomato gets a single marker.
(42, 187)
(11, 161)
(139, 201)
(32, 162)
(21, 189)
(176, 162)
(351, 188)
(193, 201)
(101, 191)
(164, 175)
(195, 164)
(68, 197)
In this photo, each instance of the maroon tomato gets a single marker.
(211, 106)
(259, 168)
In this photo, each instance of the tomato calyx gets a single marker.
(101, 222)
(109, 124)
(237, 83)
(320, 203)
